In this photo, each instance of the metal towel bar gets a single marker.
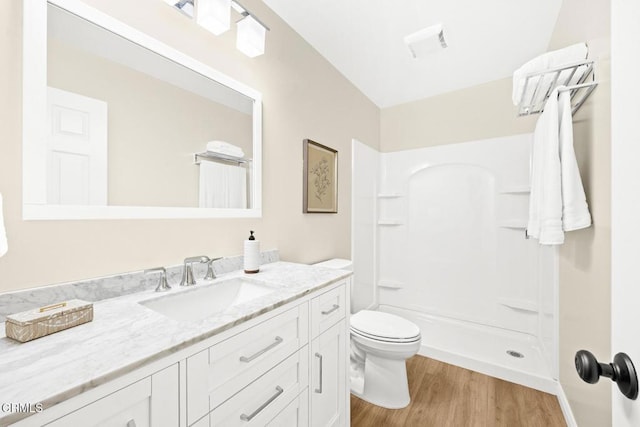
(544, 82)
(215, 157)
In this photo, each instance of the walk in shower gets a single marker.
(439, 238)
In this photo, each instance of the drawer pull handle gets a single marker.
(334, 308)
(131, 423)
(245, 417)
(264, 350)
(319, 389)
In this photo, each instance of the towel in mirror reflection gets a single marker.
(222, 186)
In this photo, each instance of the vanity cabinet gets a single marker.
(152, 401)
(287, 367)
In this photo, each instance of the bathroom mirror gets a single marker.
(119, 125)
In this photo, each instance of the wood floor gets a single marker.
(444, 395)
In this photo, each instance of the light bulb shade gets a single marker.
(214, 15)
(251, 37)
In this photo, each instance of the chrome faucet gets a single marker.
(187, 271)
(163, 285)
(210, 274)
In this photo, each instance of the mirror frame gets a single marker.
(34, 98)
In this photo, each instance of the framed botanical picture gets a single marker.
(320, 178)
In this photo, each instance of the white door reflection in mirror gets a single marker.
(76, 149)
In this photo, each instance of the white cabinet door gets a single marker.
(328, 377)
(152, 401)
(165, 397)
(128, 407)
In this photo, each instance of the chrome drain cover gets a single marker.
(514, 353)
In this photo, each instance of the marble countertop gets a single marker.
(126, 335)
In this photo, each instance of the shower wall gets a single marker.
(451, 240)
(365, 171)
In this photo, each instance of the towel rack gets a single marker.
(216, 157)
(543, 83)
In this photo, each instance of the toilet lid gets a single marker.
(384, 325)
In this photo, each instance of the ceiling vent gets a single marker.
(426, 41)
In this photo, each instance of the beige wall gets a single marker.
(478, 112)
(153, 127)
(304, 97)
(486, 111)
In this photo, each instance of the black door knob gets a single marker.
(621, 371)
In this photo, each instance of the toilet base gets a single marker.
(385, 383)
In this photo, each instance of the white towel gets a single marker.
(553, 59)
(225, 148)
(557, 202)
(545, 200)
(4, 247)
(575, 212)
(222, 186)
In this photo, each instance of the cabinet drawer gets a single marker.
(327, 309)
(219, 372)
(295, 414)
(150, 401)
(262, 400)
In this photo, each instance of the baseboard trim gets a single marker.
(565, 407)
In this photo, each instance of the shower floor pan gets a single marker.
(483, 349)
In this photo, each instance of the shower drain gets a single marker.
(514, 353)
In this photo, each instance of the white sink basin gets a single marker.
(207, 300)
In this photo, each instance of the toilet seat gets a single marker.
(385, 327)
(385, 339)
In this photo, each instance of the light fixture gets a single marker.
(214, 16)
(426, 41)
(251, 36)
(184, 6)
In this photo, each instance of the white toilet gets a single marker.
(380, 345)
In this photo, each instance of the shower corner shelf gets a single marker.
(390, 284)
(538, 86)
(519, 304)
(517, 224)
(516, 190)
(390, 222)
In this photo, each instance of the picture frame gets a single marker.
(320, 182)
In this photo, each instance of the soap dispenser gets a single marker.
(251, 255)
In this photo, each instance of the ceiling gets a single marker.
(363, 39)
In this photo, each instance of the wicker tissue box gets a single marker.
(36, 323)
